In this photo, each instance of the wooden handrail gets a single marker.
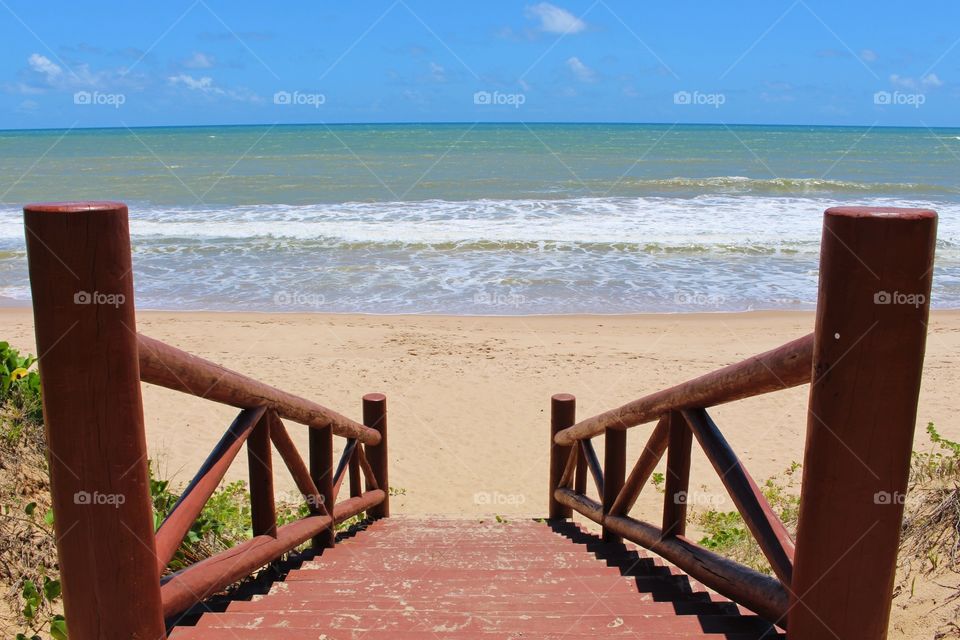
(167, 366)
(766, 527)
(184, 513)
(781, 368)
(752, 589)
(207, 577)
(93, 365)
(864, 362)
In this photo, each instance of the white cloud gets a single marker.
(437, 72)
(44, 65)
(868, 55)
(204, 84)
(581, 71)
(930, 81)
(553, 19)
(199, 61)
(207, 86)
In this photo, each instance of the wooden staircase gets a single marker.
(441, 578)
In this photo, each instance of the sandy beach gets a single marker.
(468, 397)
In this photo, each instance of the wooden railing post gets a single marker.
(82, 284)
(321, 470)
(676, 491)
(563, 410)
(263, 509)
(875, 276)
(375, 417)
(614, 473)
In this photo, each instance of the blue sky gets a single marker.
(208, 62)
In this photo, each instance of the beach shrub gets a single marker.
(727, 533)
(19, 393)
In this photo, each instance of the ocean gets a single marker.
(490, 219)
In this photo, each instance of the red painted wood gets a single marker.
(169, 367)
(876, 267)
(263, 510)
(369, 589)
(771, 535)
(375, 417)
(195, 496)
(781, 368)
(678, 477)
(563, 407)
(203, 579)
(321, 472)
(81, 280)
(614, 470)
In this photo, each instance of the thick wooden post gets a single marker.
(375, 417)
(321, 470)
(563, 412)
(614, 473)
(263, 510)
(82, 284)
(875, 275)
(677, 487)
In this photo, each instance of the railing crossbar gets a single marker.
(186, 510)
(643, 469)
(770, 533)
(593, 463)
(295, 464)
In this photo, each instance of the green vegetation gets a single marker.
(727, 533)
(29, 575)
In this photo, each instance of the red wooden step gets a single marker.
(456, 579)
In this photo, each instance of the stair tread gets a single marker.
(446, 578)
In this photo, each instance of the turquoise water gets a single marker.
(489, 219)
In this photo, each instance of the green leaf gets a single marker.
(30, 508)
(48, 517)
(58, 628)
(51, 589)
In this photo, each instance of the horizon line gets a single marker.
(480, 123)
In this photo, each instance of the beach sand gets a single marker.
(469, 398)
